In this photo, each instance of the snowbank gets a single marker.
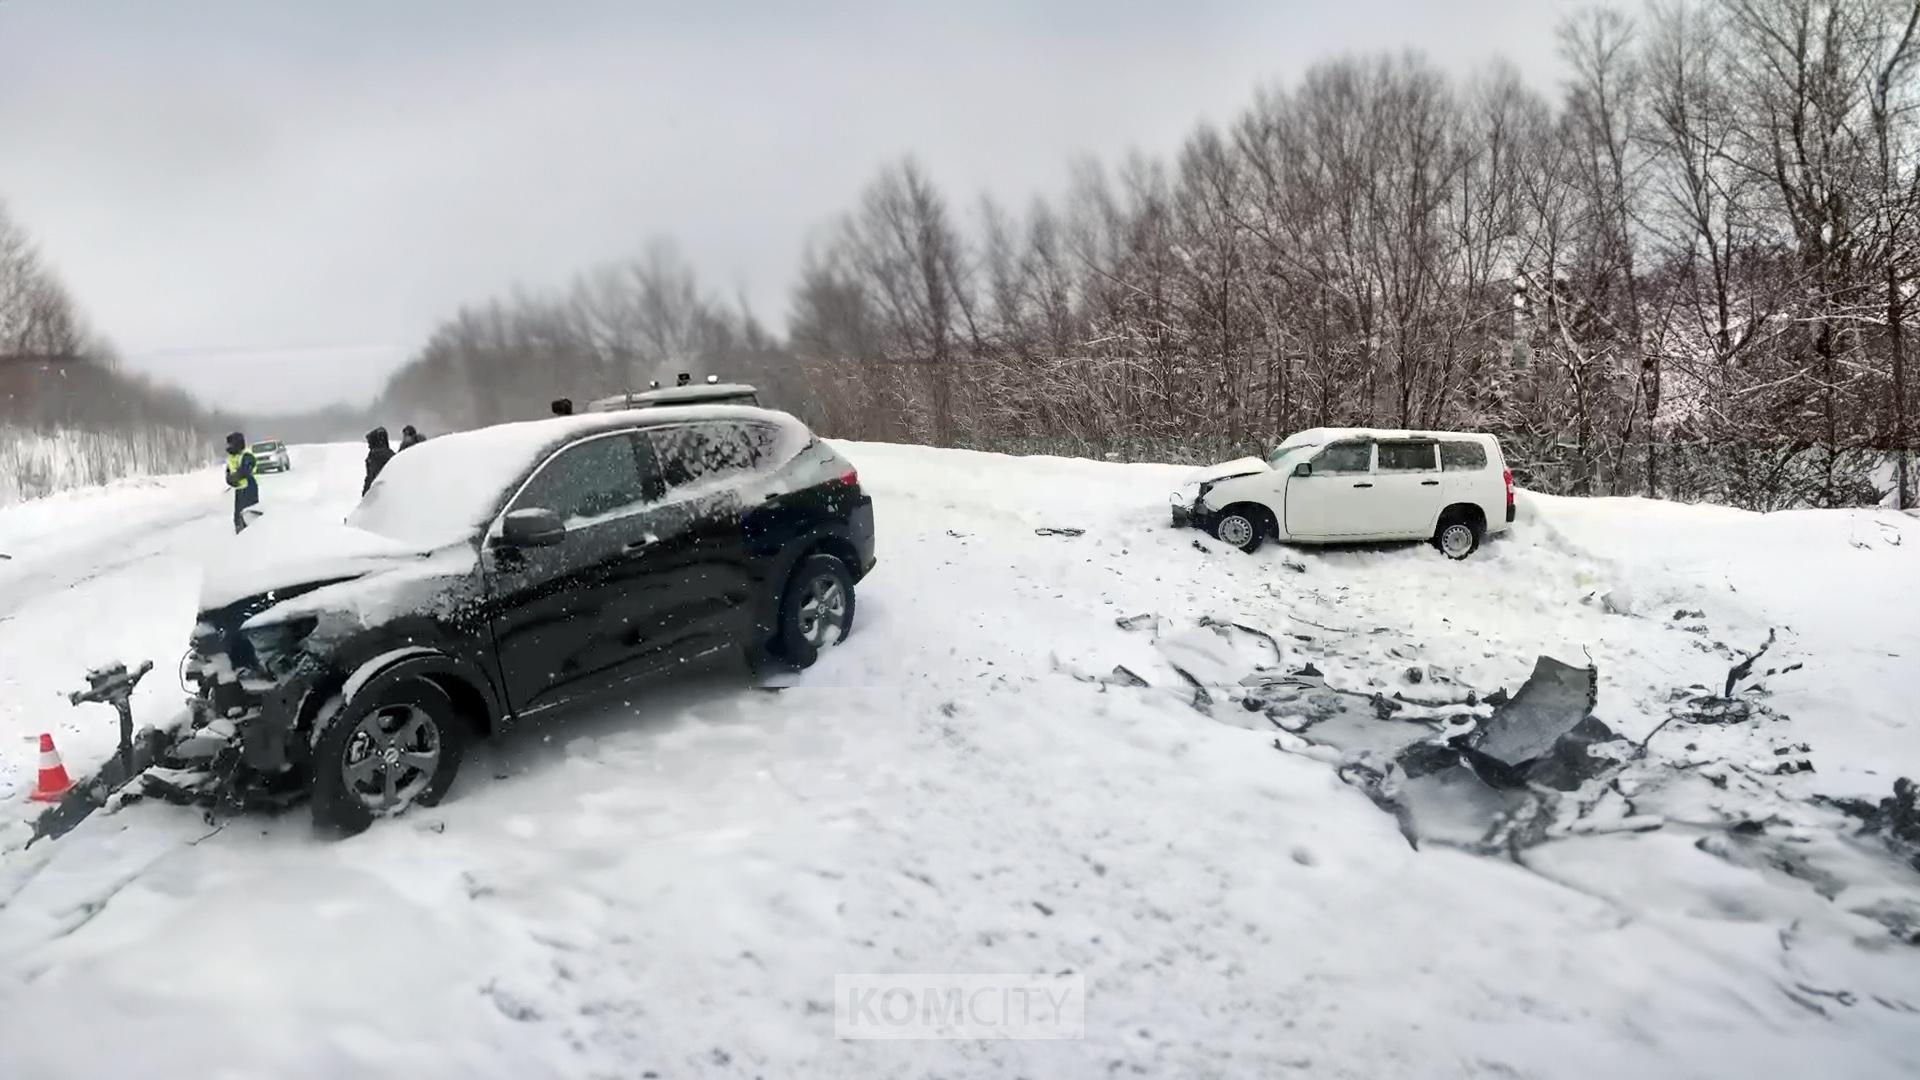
(965, 785)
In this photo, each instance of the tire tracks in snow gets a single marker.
(109, 555)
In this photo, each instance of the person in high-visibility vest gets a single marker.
(240, 478)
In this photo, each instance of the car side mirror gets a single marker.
(1305, 468)
(532, 527)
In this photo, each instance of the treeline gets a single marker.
(1688, 273)
(68, 416)
(615, 328)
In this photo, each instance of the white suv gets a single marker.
(1334, 485)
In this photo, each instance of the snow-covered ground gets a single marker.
(963, 786)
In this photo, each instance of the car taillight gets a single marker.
(1507, 476)
(851, 477)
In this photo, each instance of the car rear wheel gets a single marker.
(816, 611)
(1457, 538)
(376, 759)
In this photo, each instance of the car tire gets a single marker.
(1241, 527)
(816, 609)
(1457, 537)
(347, 785)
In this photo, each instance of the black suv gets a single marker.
(492, 575)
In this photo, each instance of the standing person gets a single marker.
(378, 454)
(410, 437)
(240, 478)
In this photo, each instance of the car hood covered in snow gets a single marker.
(1238, 467)
(284, 553)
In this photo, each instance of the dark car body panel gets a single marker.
(619, 599)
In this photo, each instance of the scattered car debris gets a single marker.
(1136, 622)
(1125, 676)
(1895, 819)
(1552, 702)
(1686, 613)
(1745, 667)
(1059, 530)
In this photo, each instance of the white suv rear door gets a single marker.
(1406, 490)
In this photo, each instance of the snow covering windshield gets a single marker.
(444, 490)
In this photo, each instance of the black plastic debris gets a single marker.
(1543, 735)
(1554, 699)
(1054, 530)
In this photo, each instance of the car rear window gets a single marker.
(1406, 456)
(1460, 456)
(691, 453)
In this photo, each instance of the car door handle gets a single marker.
(1363, 485)
(642, 544)
(1429, 483)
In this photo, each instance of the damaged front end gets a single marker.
(252, 685)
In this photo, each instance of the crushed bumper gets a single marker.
(860, 526)
(1194, 514)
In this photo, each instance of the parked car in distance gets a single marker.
(270, 455)
(711, 392)
(1337, 485)
(493, 575)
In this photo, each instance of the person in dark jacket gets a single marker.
(378, 454)
(410, 437)
(240, 478)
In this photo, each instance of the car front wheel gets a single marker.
(1240, 527)
(376, 759)
(816, 611)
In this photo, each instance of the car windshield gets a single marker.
(266, 446)
(445, 490)
(1284, 453)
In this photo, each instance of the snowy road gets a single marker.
(669, 889)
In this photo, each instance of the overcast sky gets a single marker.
(275, 200)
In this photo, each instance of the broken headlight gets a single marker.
(275, 646)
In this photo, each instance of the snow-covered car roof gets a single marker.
(674, 395)
(439, 491)
(1322, 436)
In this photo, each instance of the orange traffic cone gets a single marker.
(54, 781)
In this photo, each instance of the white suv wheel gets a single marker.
(1457, 540)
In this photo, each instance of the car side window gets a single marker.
(1344, 457)
(589, 479)
(1406, 456)
(1458, 456)
(691, 453)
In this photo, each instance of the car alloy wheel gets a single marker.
(391, 757)
(1456, 540)
(823, 610)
